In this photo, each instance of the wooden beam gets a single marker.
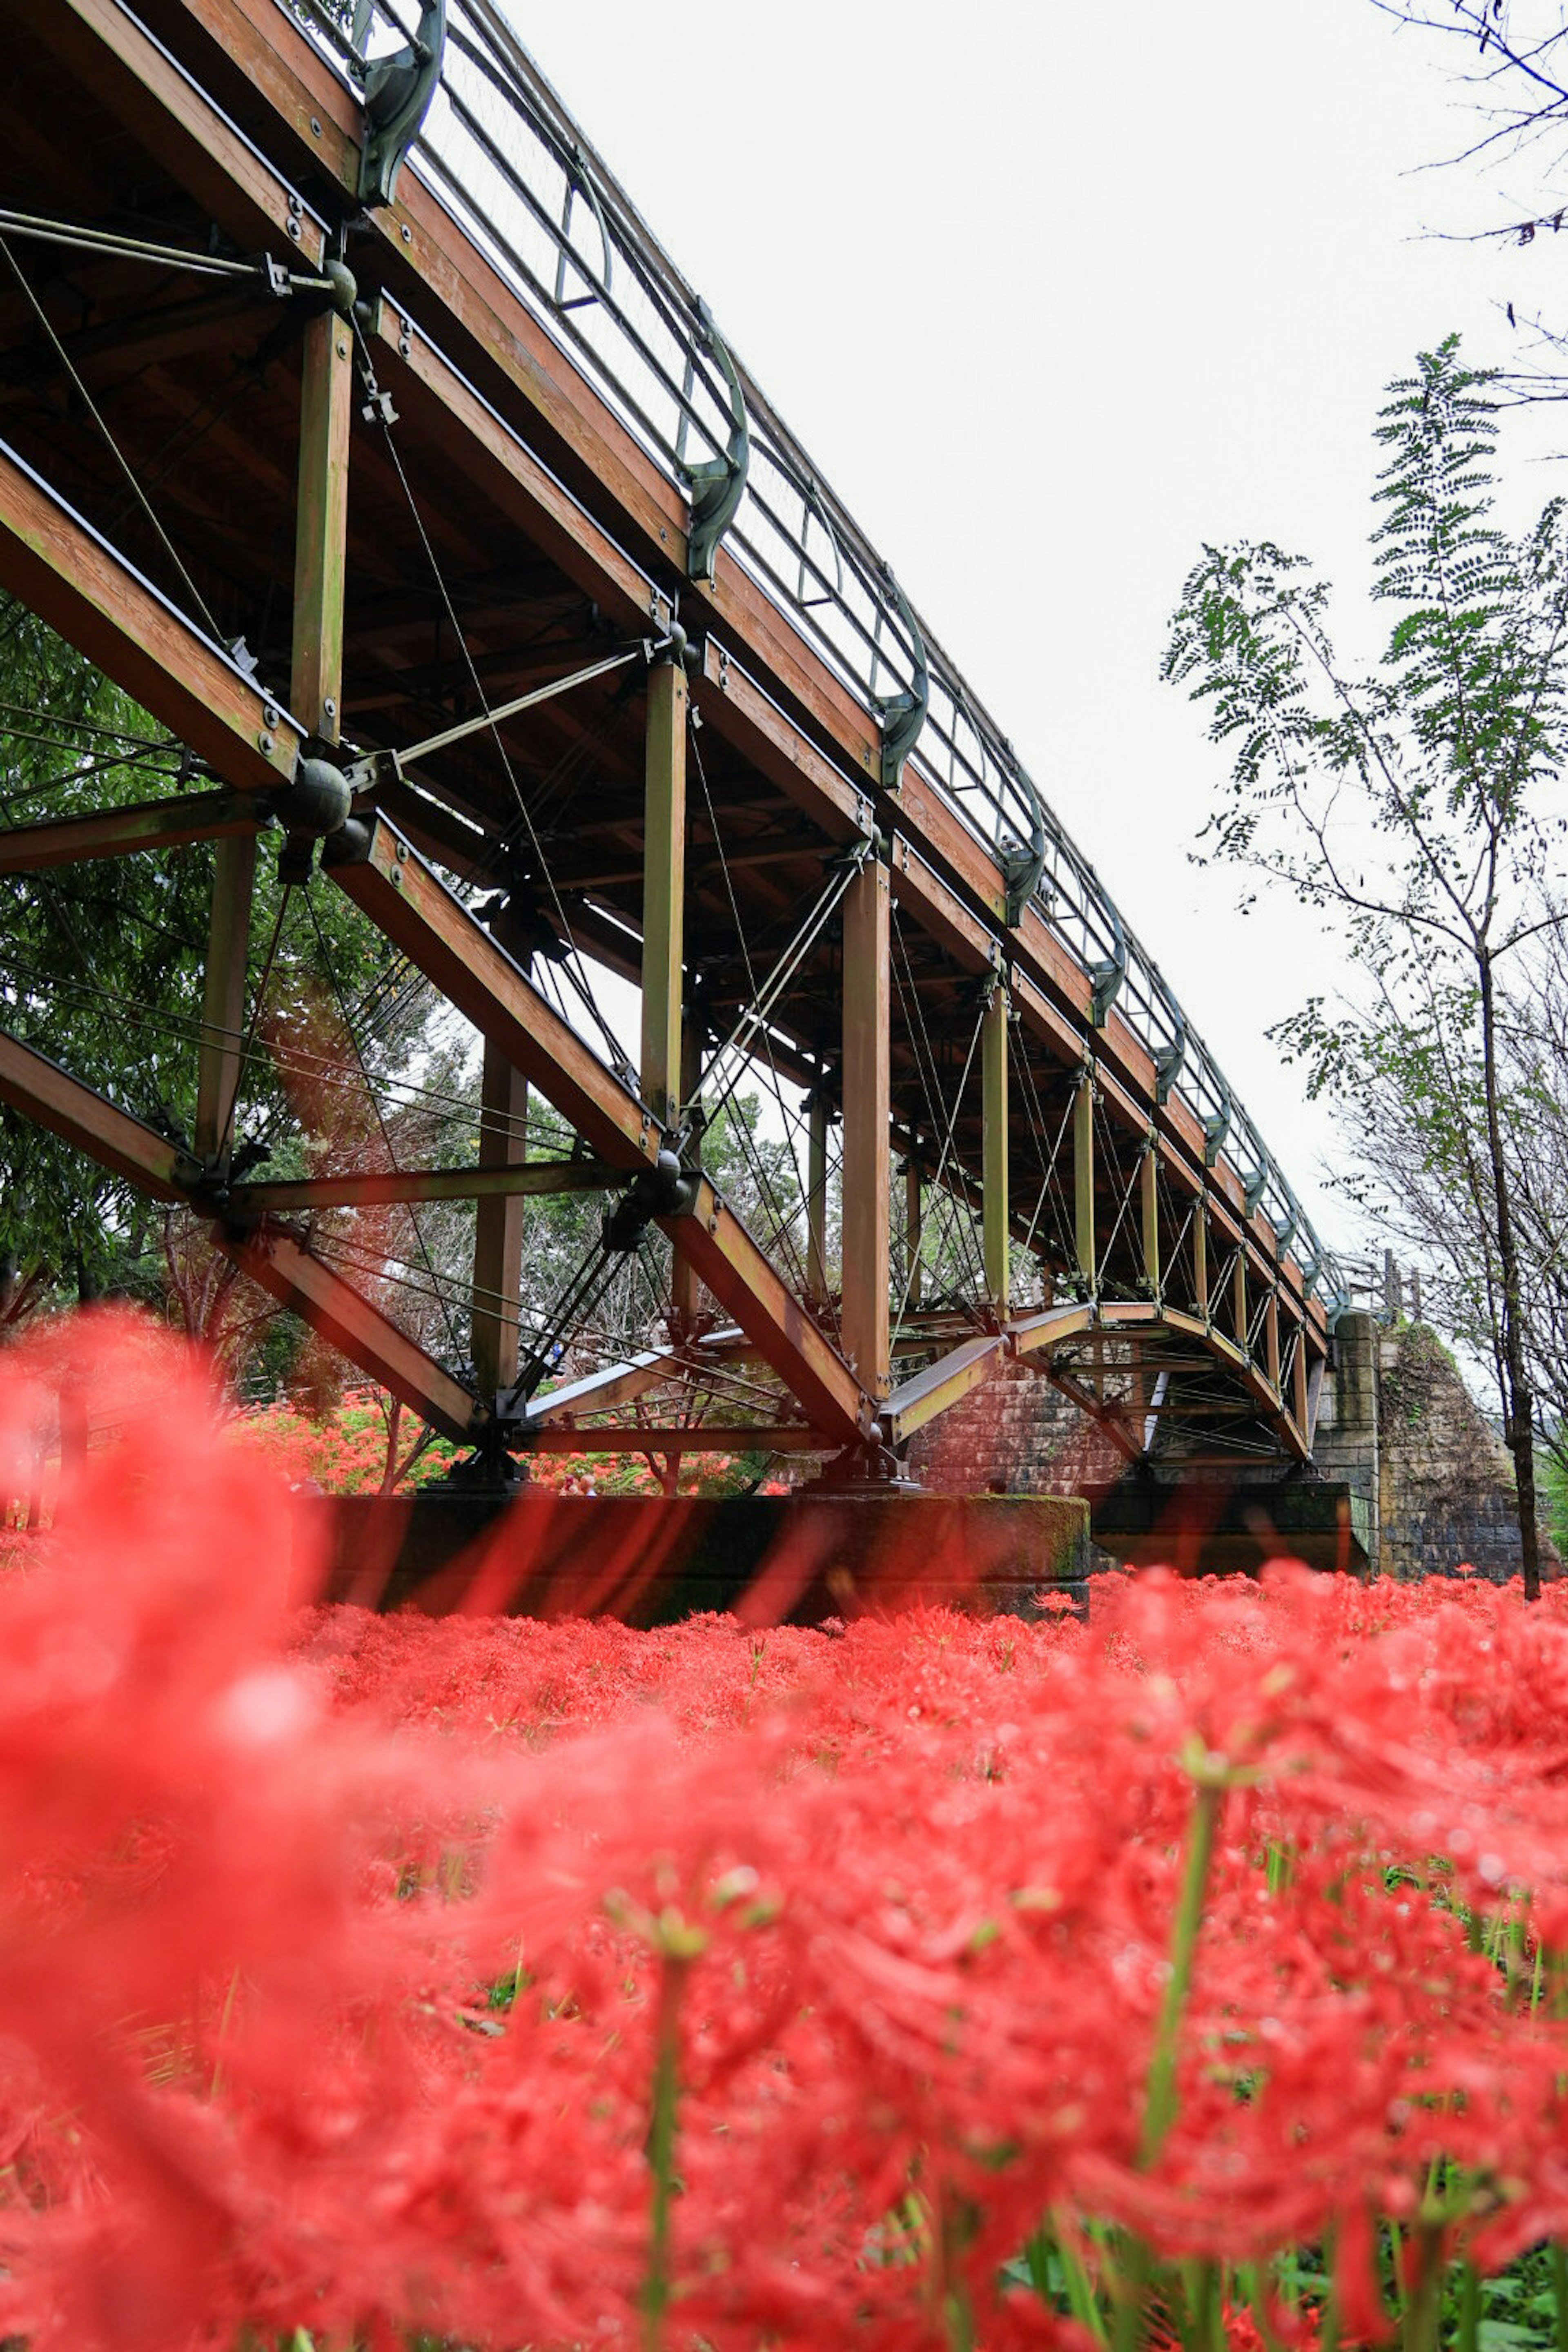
(437, 933)
(1200, 1256)
(817, 1197)
(280, 1263)
(61, 568)
(1083, 1180)
(321, 525)
(914, 1221)
(698, 1437)
(526, 1178)
(223, 997)
(940, 1385)
(664, 889)
(143, 86)
(120, 832)
(1148, 1204)
(995, 1225)
(30, 1083)
(498, 1224)
(864, 1268)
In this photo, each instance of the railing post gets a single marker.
(1149, 1203)
(1083, 1177)
(864, 1245)
(994, 1146)
(664, 889)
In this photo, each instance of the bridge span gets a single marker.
(353, 421)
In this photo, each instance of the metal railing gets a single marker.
(501, 151)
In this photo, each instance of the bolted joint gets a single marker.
(316, 801)
(665, 1189)
(344, 291)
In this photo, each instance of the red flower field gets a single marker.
(1195, 1974)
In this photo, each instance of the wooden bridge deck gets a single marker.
(379, 519)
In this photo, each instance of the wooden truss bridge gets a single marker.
(352, 421)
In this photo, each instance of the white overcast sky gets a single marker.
(1053, 293)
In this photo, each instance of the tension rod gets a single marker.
(78, 239)
(383, 767)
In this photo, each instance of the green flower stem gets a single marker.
(1160, 2100)
(664, 2127)
(1468, 2334)
(1423, 2303)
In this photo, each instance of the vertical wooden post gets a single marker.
(1299, 1404)
(223, 995)
(315, 696)
(684, 1286)
(497, 1227)
(321, 529)
(863, 1242)
(816, 1196)
(494, 1324)
(1200, 1256)
(914, 1225)
(994, 1146)
(664, 889)
(1149, 1203)
(1271, 1339)
(1238, 1300)
(1083, 1179)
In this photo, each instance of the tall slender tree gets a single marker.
(1416, 804)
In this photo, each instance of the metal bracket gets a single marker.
(1169, 1061)
(1107, 976)
(1286, 1228)
(1023, 863)
(397, 94)
(719, 484)
(665, 1189)
(903, 716)
(1215, 1130)
(1254, 1184)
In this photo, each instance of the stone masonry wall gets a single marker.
(1445, 1480)
(1397, 1422)
(1015, 1434)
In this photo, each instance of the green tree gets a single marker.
(1412, 804)
(102, 968)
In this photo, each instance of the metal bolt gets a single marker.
(294, 230)
(395, 877)
(269, 714)
(401, 852)
(315, 126)
(342, 350)
(266, 743)
(406, 233)
(294, 205)
(330, 706)
(403, 345)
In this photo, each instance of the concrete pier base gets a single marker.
(771, 1560)
(1220, 1529)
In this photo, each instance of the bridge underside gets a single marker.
(407, 597)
